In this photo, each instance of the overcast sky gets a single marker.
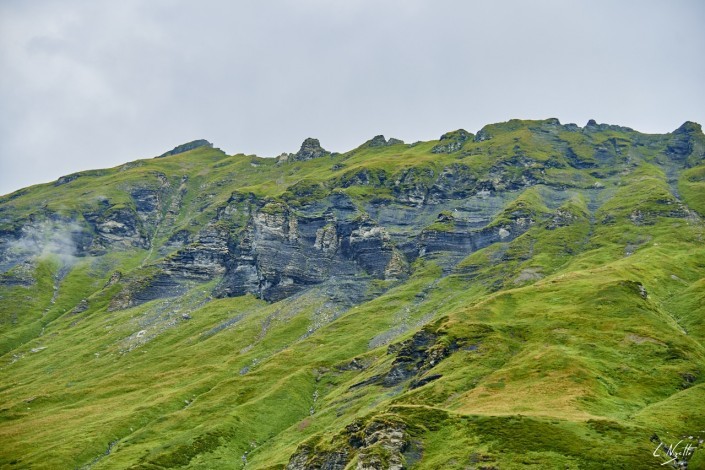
(92, 84)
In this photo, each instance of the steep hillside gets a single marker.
(530, 295)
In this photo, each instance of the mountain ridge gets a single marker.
(687, 126)
(520, 296)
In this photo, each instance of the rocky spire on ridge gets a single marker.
(310, 148)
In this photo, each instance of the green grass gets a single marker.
(567, 346)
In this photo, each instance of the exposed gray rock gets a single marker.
(593, 126)
(67, 179)
(482, 135)
(459, 241)
(378, 445)
(116, 228)
(81, 307)
(355, 365)
(452, 141)
(362, 177)
(146, 199)
(376, 141)
(277, 254)
(369, 246)
(552, 122)
(274, 251)
(310, 149)
(176, 241)
(148, 203)
(684, 142)
(194, 144)
(306, 459)
(281, 252)
(390, 441)
(380, 141)
(561, 218)
(74, 176)
(202, 260)
(414, 357)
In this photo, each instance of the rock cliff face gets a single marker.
(280, 251)
(116, 229)
(275, 250)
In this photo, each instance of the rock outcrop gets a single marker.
(452, 141)
(413, 358)
(194, 144)
(683, 146)
(380, 141)
(310, 149)
(378, 444)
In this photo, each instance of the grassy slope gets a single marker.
(573, 363)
